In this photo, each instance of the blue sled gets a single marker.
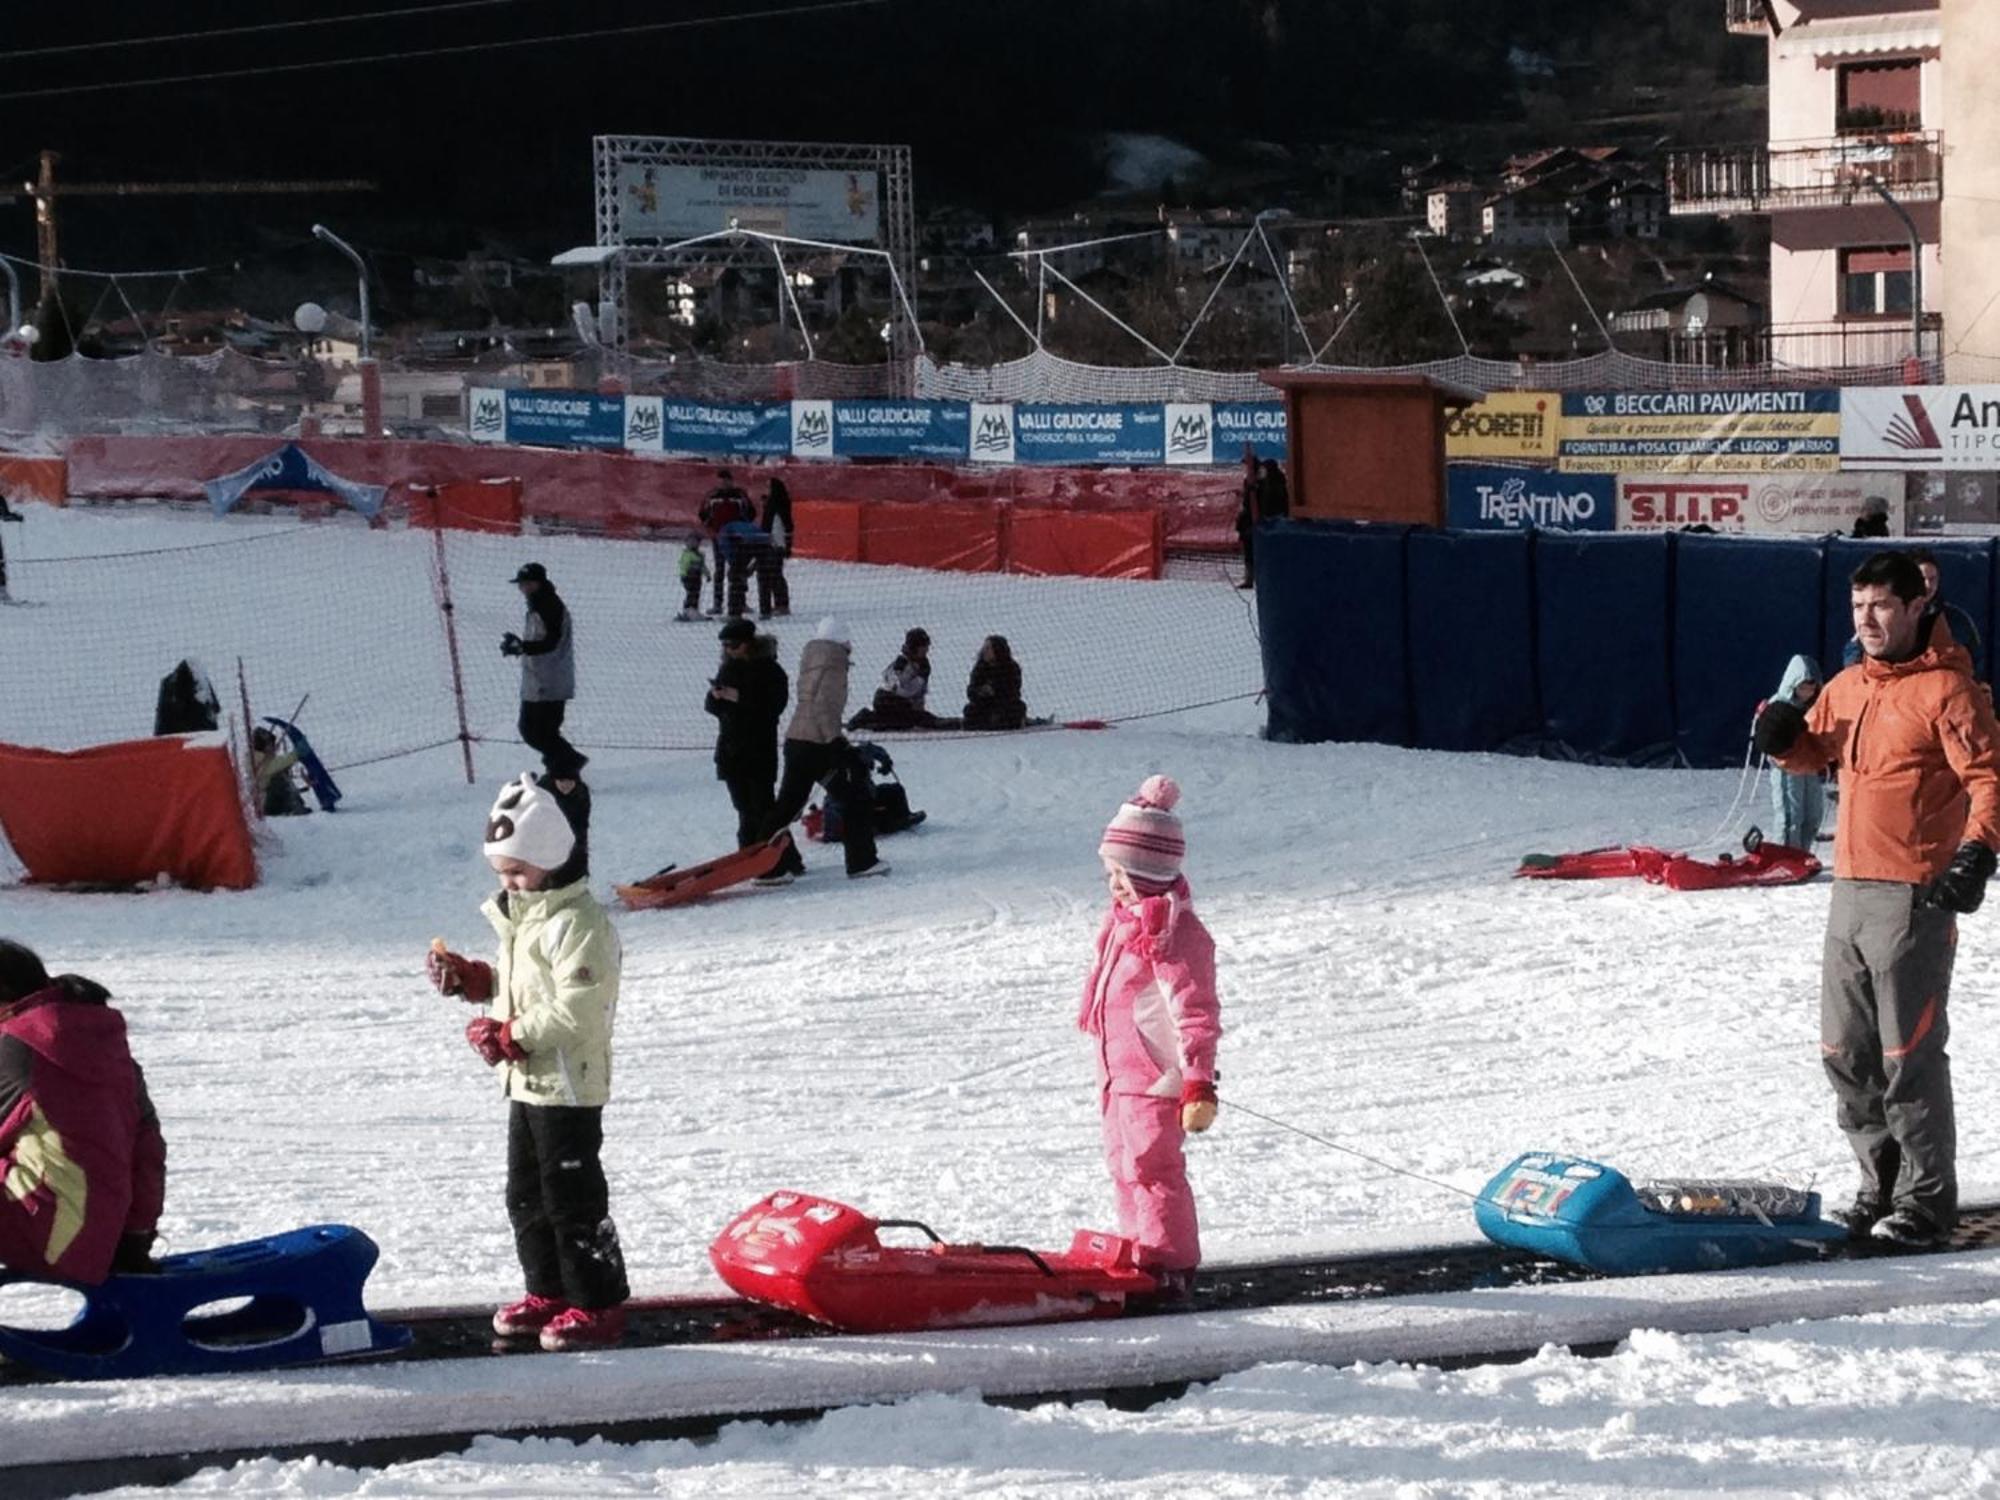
(317, 776)
(303, 1291)
(1586, 1214)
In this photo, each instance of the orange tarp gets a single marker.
(43, 479)
(127, 813)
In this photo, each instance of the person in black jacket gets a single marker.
(778, 522)
(748, 697)
(993, 696)
(8, 513)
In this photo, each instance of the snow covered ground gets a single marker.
(907, 1046)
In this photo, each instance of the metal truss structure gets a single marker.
(622, 251)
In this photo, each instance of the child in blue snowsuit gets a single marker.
(1798, 803)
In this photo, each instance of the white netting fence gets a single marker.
(351, 616)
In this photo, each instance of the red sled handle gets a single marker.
(938, 1240)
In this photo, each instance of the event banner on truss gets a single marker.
(665, 201)
(1700, 432)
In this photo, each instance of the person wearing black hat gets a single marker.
(899, 701)
(548, 671)
(748, 696)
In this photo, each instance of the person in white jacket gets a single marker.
(816, 752)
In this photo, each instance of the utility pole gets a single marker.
(46, 190)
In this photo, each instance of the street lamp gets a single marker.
(1916, 263)
(371, 375)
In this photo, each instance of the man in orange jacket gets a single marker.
(1914, 737)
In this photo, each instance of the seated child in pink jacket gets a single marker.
(1150, 1002)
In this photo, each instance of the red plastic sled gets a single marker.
(1761, 863)
(825, 1261)
(677, 887)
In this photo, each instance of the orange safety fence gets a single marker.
(488, 505)
(43, 479)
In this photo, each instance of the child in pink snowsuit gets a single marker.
(1150, 1002)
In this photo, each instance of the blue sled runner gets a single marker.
(291, 1299)
(1586, 1214)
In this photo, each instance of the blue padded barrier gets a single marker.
(1471, 639)
(1743, 607)
(1331, 609)
(1602, 645)
(1966, 577)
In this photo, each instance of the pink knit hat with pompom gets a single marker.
(1145, 838)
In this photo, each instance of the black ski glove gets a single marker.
(1963, 885)
(1778, 727)
(510, 644)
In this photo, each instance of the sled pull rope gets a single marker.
(1375, 1161)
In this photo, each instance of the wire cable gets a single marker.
(69, 48)
(691, 23)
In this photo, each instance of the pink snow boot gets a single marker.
(530, 1315)
(584, 1328)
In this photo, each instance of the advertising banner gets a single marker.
(1089, 435)
(1486, 497)
(881, 428)
(1699, 432)
(680, 202)
(565, 419)
(1190, 432)
(992, 435)
(1921, 427)
(645, 424)
(1507, 424)
(1261, 424)
(1965, 502)
(742, 427)
(1764, 504)
(486, 414)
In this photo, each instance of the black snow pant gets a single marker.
(691, 593)
(808, 763)
(773, 592)
(750, 795)
(541, 731)
(1248, 535)
(718, 573)
(1884, 983)
(560, 1207)
(739, 582)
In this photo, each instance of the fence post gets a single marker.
(441, 578)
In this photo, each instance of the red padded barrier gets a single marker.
(489, 505)
(1085, 544)
(950, 536)
(127, 813)
(829, 530)
(43, 479)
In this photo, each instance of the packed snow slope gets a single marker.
(907, 1045)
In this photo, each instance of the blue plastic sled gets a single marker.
(303, 1292)
(317, 775)
(1586, 1214)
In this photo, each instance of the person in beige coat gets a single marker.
(816, 752)
(554, 995)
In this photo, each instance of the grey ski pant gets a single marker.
(1883, 986)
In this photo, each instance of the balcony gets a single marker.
(1746, 17)
(1760, 178)
(1840, 349)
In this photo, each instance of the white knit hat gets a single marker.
(527, 824)
(1145, 838)
(831, 629)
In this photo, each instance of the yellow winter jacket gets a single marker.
(557, 982)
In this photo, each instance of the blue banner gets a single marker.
(1089, 435)
(1261, 424)
(881, 428)
(750, 427)
(565, 419)
(1487, 497)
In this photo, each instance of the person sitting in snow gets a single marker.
(993, 695)
(1798, 803)
(271, 773)
(899, 701)
(554, 994)
(83, 1167)
(1151, 1006)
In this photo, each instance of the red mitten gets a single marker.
(454, 974)
(493, 1040)
(1198, 1106)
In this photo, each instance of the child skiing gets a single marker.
(693, 567)
(554, 994)
(1150, 1002)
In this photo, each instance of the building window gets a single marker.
(1880, 96)
(1875, 282)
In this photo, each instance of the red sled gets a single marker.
(825, 1261)
(1761, 863)
(677, 887)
